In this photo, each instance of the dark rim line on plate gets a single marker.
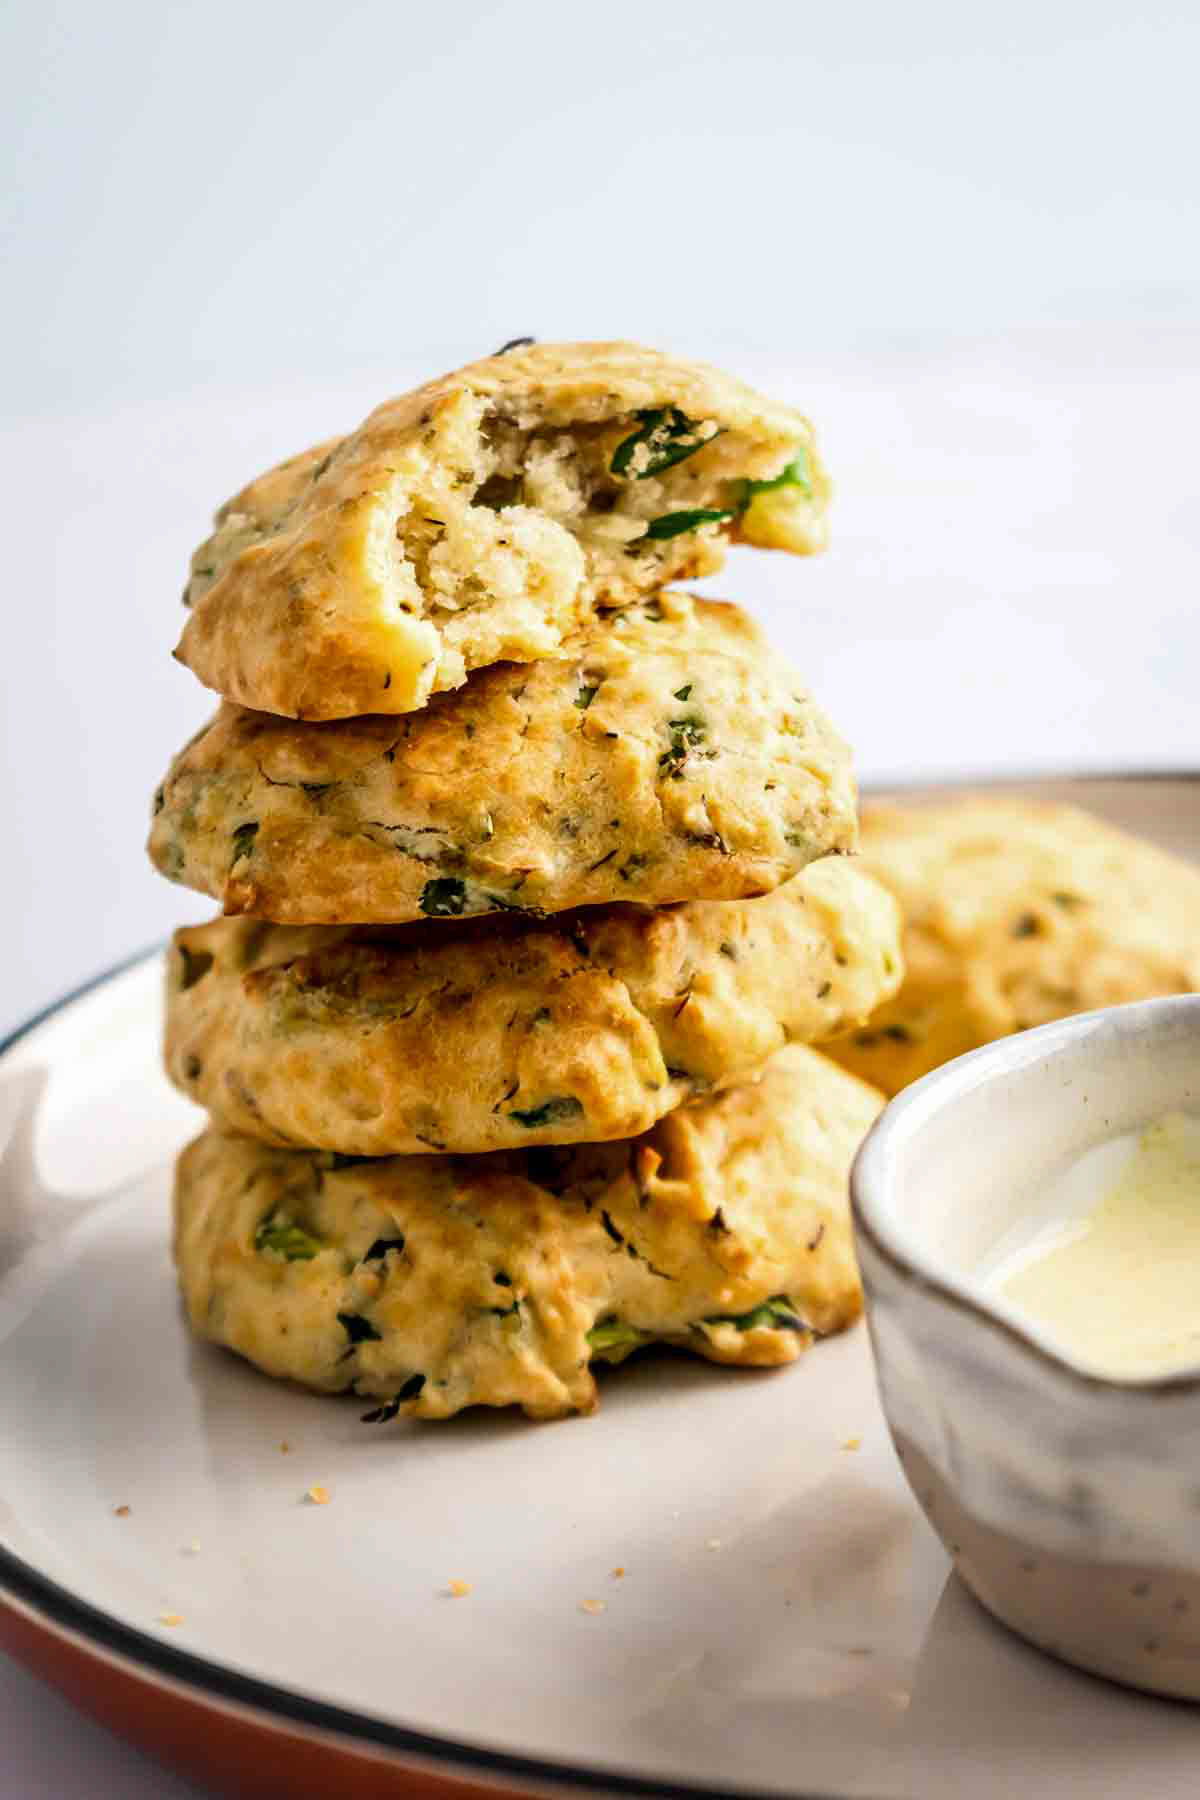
(57, 1606)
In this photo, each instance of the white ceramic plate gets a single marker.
(784, 1624)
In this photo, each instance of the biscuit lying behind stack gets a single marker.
(1016, 912)
(555, 919)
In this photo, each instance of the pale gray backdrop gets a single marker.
(963, 236)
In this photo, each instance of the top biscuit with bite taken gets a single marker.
(483, 518)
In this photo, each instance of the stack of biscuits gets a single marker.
(535, 891)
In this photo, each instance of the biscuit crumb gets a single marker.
(169, 1618)
(593, 1606)
(712, 1543)
(284, 1447)
(854, 1443)
(121, 1512)
(618, 1572)
(192, 1549)
(458, 1590)
(320, 1496)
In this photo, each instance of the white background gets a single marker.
(963, 237)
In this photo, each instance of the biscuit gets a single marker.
(499, 1034)
(1016, 912)
(482, 518)
(435, 1283)
(670, 757)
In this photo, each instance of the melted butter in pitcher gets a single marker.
(1120, 1289)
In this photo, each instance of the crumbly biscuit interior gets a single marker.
(592, 512)
(504, 529)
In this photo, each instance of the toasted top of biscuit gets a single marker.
(1016, 912)
(483, 518)
(669, 757)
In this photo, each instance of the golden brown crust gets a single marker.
(670, 757)
(500, 1034)
(435, 1283)
(1016, 913)
(479, 520)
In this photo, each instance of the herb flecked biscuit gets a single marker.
(432, 1283)
(670, 757)
(493, 1034)
(482, 518)
(1016, 912)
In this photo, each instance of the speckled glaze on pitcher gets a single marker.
(1070, 1503)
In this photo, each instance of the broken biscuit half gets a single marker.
(483, 518)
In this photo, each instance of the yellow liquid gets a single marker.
(1121, 1291)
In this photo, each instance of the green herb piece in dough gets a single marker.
(285, 1238)
(553, 1112)
(777, 1314)
(447, 897)
(668, 437)
(613, 1334)
(671, 525)
(358, 1329)
(685, 735)
(443, 898)
(380, 1415)
(795, 475)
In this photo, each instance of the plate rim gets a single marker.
(34, 1598)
